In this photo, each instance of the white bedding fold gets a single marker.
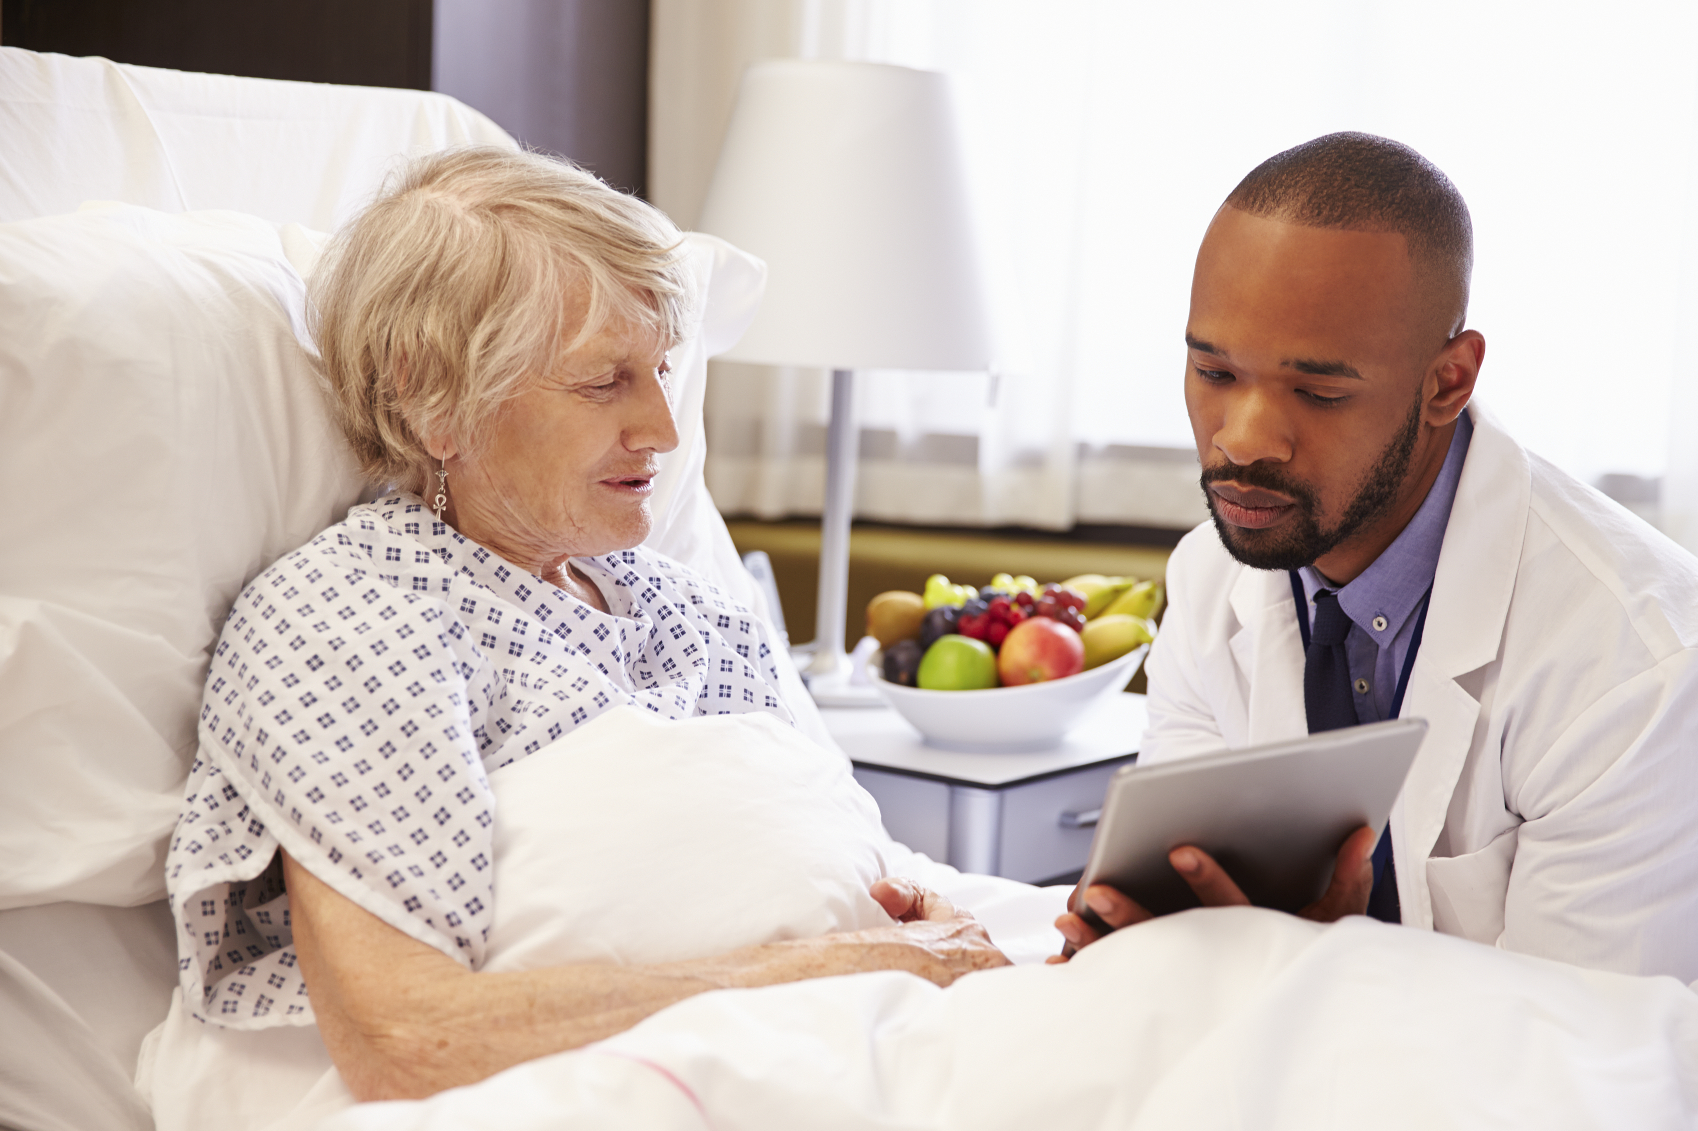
(1211, 1019)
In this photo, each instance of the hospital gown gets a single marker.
(361, 691)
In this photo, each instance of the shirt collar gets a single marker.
(409, 516)
(1384, 596)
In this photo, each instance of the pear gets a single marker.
(1112, 635)
(1100, 592)
(895, 616)
(1141, 600)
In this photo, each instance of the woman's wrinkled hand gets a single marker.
(931, 937)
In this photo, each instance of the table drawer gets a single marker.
(1034, 845)
(1015, 831)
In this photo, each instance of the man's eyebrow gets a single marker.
(1323, 368)
(1302, 364)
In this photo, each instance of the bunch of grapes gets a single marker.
(1064, 605)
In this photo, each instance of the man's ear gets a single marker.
(1451, 377)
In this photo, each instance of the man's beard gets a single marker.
(1303, 540)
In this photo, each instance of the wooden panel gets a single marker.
(365, 43)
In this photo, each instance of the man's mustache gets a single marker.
(1265, 476)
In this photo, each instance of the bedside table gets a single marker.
(1028, 817)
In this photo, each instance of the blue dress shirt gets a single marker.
(1382, 602)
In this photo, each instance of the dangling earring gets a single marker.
(441, 499)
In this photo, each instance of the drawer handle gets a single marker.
(1081, 819)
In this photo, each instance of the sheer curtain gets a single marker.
(1102, 135)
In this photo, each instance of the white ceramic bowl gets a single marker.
(997, 720)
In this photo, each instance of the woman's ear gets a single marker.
(440, 446)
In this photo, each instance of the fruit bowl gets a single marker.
(997, 720)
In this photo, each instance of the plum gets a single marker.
(902, 663)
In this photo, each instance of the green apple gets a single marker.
(957, 663)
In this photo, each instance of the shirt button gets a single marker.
(1379, 624)
(1361, 687)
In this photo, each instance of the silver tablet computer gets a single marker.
(1273, 816)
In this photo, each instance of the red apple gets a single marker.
(1038, 649)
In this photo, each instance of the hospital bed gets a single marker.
(94, 725)
(97, 696)
(154, 230)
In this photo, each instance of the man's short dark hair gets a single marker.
(1366, 183)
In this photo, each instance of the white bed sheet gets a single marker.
(80, 986)
(1228, 1018)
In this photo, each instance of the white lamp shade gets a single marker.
(847, 179)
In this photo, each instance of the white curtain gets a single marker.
(1100, 138)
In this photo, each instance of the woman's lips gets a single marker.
(631, 484)
(1250, 507)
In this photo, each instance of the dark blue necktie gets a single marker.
(1327, 698)
(1330, 704)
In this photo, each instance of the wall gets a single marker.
(566, 76)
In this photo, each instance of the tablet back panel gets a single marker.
(1273, 816)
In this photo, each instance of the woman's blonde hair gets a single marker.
(449, 294)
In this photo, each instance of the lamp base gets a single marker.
(841, 680)
(837, 690)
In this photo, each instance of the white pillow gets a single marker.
(638, 839)
(183, 141)
(162, 440)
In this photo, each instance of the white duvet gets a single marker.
(1210, 1019)
(654, 840)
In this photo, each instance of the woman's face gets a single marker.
(569, 466)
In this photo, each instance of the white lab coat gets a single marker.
(1553, 806)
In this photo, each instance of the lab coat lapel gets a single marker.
(1268, 648)
(1465, 622)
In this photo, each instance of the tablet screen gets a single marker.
(1273, 816)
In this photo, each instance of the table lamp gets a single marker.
(847, 179)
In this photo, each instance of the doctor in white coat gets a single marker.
(1553, 806)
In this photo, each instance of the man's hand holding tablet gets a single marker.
(1273, 813)
(1347, 894)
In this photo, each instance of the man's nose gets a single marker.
(1252, 429)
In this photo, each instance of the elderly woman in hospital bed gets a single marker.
(494, 331)
(166, 445)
